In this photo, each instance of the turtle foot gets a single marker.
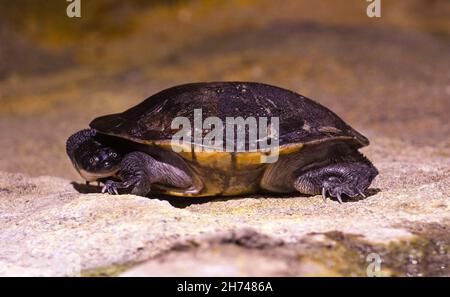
(111, 187)
(337, 180)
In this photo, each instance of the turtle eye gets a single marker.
(91, 160)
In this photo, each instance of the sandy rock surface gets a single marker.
(49, 228)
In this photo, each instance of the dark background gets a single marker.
(388, 77)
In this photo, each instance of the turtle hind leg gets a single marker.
(349, 178)
(138, 171)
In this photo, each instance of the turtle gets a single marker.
(133, 152)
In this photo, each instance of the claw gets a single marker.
(361, 193)
(110, 188)
(338, 197)
(324, 194)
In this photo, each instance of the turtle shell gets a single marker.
(301, 120)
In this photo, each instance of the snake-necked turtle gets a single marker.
(317, 153)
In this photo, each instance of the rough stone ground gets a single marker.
(389, 79)
(48, 228)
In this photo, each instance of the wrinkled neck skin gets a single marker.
(81, 147)
(77, 140)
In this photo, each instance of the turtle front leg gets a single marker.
(139, 171)
(351, 179)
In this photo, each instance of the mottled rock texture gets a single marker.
(49, 228)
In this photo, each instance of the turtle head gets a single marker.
(92, 158)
